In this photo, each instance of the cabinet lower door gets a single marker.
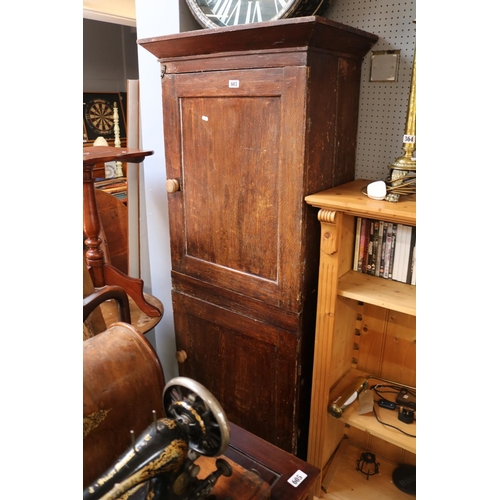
(250, 367)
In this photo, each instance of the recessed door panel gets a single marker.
(230, 182)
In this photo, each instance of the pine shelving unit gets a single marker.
(365, 325)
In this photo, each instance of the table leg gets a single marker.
(103, 273)
(91, 228)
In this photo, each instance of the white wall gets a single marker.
(154, 18)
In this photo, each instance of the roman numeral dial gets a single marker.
(216, 13)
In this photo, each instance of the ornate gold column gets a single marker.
(402, 179)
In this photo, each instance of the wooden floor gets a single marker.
(344, 482)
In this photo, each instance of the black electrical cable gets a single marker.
(392, 390)
(393, 426)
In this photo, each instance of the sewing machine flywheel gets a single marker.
(195, 409)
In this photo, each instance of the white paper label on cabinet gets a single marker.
(234, 84)
(297, 478)
(204, 118)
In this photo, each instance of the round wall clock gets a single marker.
(217, 13)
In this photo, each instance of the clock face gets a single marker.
(217, 13)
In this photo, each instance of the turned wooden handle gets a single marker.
(173, 185)
(181, 356)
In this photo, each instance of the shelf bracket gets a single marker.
(328, 231)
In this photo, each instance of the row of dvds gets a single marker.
(385, 249)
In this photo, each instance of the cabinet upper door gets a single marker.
(235, 142)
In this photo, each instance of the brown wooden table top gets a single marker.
(100, 154)
(274, 465)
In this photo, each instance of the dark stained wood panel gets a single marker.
(244, 363)
(223, 209)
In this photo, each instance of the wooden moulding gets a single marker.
(312, 32)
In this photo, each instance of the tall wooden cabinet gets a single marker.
(256, 117)
(366, 326)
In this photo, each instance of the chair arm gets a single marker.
(105, 293)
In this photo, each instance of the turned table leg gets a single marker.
(102, 272)
(91, 228)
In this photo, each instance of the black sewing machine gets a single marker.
(160, 464)
(196, 454)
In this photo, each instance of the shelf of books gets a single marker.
(384, 266)
(385, 249)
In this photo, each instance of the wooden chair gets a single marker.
(114, 229)
(113, 234)
(123, 383)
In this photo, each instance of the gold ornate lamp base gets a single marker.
(402, 179)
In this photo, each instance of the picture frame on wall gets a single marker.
(98, 115)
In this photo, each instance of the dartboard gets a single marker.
(99, 115)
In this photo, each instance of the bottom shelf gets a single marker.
(343, 482)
